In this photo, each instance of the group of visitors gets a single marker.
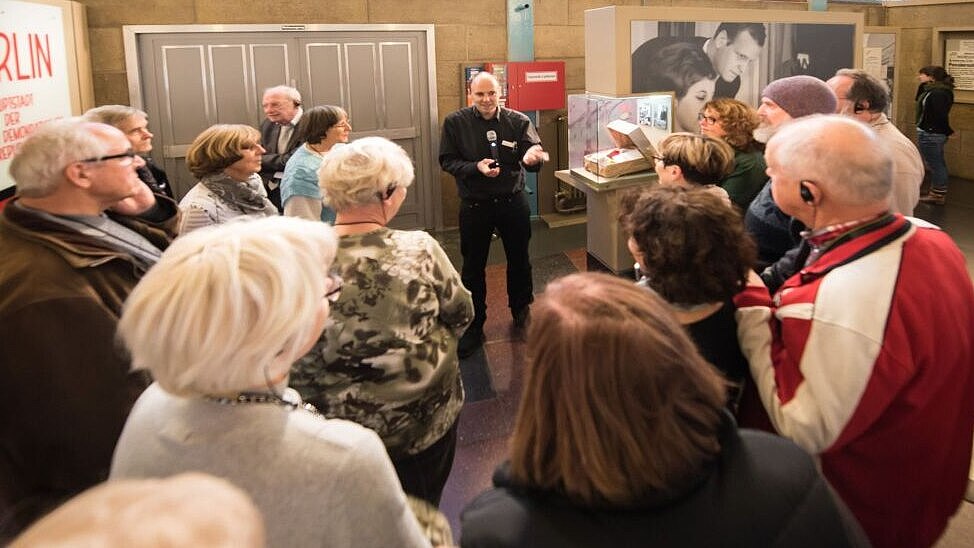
(314, 366)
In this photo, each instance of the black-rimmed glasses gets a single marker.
(127, 158)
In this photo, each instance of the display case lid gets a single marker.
(628, 135)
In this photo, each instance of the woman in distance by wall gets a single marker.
(320, 129)
(935, 96)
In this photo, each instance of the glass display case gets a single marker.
(614, 137)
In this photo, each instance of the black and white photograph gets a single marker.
(701, 60)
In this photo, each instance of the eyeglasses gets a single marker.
(126, 158)
(346, 124)
(336, 287)
(660, 159)
(709, 119)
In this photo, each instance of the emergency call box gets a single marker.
(536, 85)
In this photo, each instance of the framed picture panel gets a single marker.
(880, 58)
(703, 53)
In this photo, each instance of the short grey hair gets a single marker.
(228, 307)
(113, 115)
(289, 92)
(840, 154)
(38, 166)
(363, 172)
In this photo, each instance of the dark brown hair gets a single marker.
(617, 403)
(316, 121)
(695, 249)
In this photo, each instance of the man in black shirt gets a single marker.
(486, 148)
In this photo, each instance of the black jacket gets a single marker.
(761, 490)
(934, 100)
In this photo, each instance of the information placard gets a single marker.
(34, 83)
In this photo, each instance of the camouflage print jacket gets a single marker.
(387, 358)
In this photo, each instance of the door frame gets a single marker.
(130, 34)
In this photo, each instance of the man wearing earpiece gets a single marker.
(864, 356)
(487, 148)
(282, 107)
(865, 98)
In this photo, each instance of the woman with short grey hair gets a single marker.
(218, 322)
(388, 356)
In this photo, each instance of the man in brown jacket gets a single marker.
(81, 232)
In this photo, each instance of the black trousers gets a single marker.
(510, 215)
(424, 474)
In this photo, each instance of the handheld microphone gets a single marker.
(494, 153)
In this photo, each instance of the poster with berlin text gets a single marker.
(34, 85)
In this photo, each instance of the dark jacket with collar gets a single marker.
(66, 386)
(761, 490)
(273, 160)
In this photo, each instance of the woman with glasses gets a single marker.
(684, 69)
(689, 160)
(226, 159)
(734, 122)
(218, 322)
(621, 439)
(388, 356)
(320, 129)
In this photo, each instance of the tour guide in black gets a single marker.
(485, 147)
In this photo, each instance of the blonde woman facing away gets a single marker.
(225, 158)
(218, 322)
(387, 358)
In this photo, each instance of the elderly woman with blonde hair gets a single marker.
(388, 356)
(621, 439)
(226, 159)
(218, 322)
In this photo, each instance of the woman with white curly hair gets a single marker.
(388, 356)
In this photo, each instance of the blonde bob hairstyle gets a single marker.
(229, 307)
(190, 509)
(617, 402)
(703, 160)
(362, 172)
(218, 147)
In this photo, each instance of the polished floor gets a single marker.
(492, 376)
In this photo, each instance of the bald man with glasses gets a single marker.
(78, 236)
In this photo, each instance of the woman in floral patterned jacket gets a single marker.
(388, 356)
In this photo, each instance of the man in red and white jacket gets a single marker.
(865, 357)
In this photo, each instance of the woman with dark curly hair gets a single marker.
(735, 122)
(693, 251)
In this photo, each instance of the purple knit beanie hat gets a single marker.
(801, 95)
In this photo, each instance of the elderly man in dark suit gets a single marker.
(282, 107)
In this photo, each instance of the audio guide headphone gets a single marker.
(805, 193)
